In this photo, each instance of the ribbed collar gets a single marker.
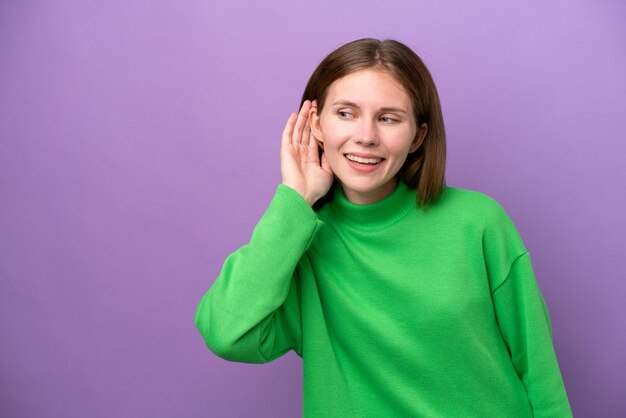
(378, 214)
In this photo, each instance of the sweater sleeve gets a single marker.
(252, 313)
(524, 322)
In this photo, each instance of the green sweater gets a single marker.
(395, 311)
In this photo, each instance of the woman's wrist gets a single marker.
(306, 196)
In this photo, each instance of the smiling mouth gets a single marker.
(364, 160)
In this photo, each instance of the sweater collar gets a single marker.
(378, 214)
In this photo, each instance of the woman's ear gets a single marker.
(314, 121)
(419, 138)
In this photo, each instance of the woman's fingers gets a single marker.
(286, 138)
(297, 137)
(298, 129)
(312, 142)
(306, 132)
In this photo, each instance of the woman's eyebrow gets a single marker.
(346, 103)
(356, 106)
(393, 109)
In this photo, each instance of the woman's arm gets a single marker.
(521, 314)
(524, 322)
(252, 312)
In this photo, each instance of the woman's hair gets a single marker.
(423, 169)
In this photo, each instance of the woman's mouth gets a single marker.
(364, 164)
(364, 160)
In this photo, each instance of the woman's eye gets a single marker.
(387, 119)
(344, 114)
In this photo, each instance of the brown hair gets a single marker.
(423, 169)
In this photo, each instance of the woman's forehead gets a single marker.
(368, 87)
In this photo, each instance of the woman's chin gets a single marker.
(367, 191)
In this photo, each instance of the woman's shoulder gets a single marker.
(468, 199)
(484, 214)
(471, 205)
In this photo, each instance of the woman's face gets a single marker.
(367, 128)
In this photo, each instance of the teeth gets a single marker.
(363, 160)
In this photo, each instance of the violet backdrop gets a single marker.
(139, 146)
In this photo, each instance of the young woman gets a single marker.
(404, 297)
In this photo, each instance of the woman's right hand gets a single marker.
(300, 165)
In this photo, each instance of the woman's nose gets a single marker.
(366, 133)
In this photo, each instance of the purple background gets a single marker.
(139, 146)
